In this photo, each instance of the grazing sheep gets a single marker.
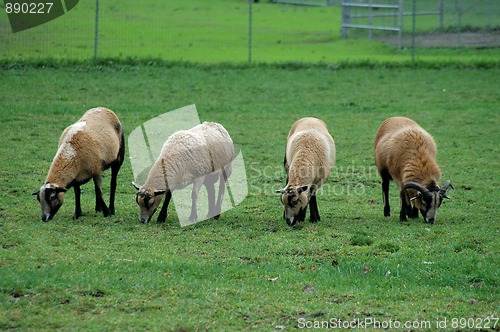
(309, 157)
(200, 155)
(86, 149)
(406, 153)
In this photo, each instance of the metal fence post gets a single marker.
(400, 25)
(459, 22)
(370, 20)
(346, 19)
(96, 36)
(250, 28)
(441, 14)
(414, 30)
(490, 10)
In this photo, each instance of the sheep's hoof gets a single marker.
(387, 211)
(77, 215)
(162, 217)
(217, 217)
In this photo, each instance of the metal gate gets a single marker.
(363, 15)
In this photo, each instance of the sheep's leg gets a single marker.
(385, 192)
(313, 209)
(220, 197)
(414, 212)
(194, 198)
(100, 205)
(402, 213)
(210, 185)
(114, 174)
(115, 168)
(302, 214)
(411, 211)
(78, 207)
(163, 212)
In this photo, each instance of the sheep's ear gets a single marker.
(60, 190)
(36, 193)
(159, 192)
(280, 191)
(136, 186)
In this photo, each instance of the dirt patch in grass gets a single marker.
(464, 39)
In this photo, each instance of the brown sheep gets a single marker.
(309, 158)
(86, 148)
(406, 153)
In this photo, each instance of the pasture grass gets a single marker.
(213, 32)
(249, 270)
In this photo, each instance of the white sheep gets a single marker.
(309, 158)
(200, 155)
(86, 148)
(406, 153)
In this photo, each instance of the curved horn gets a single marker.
(444, 188)
(417, 186)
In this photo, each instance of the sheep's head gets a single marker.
(427, 201)
(51, 198)
(295, 200)
(148, 200)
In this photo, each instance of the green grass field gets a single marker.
(217, 31)
(249, 270)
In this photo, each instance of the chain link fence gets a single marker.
(251, 30)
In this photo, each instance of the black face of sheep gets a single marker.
(148, 200)
(426, 201)
(295, 201)
(51, 199)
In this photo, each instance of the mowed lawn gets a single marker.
(249, 270)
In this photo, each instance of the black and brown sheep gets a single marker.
(86, 149)
(309, 158)
(406, 154)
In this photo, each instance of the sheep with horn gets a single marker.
(406, 154)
